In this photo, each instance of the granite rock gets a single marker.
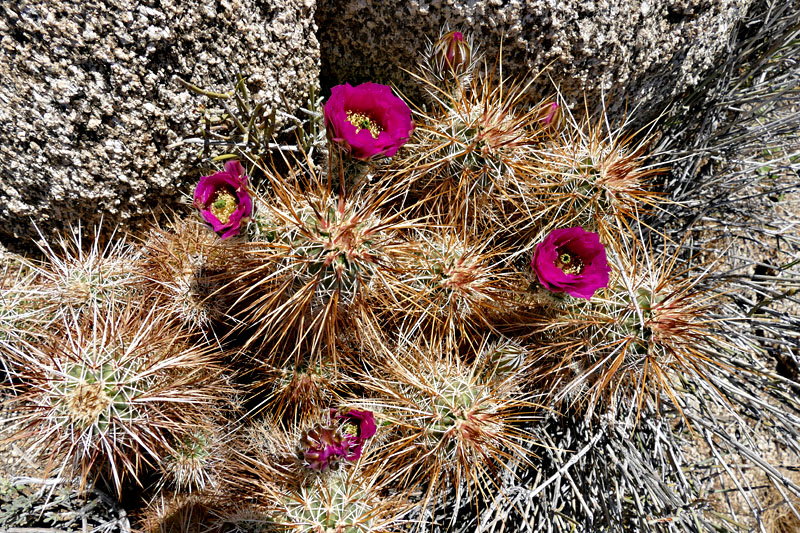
(642, 51)
(89, 104)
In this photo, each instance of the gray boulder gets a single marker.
(89, 104)
(645, 50)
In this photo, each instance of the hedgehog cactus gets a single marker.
(454, 422)
(593, 179)
(330, 254)
(180, 268)
(455, 285)
(298, 392)
(343, 502)
(503, 358)
(193, 462)
(102, 394)
(338, 247)
(646, 327)
(19, 316)
(469, 156)
(71, 278)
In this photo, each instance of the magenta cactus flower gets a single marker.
(223, 199)
(342, 438)
(358, 427)
(321, 447)
(367, 120)
(571, 260)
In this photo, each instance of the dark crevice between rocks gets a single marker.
(164, 58)
(18, 35)
(267, 12)
(84, 135)
(19, 28)
(99, 66)
(674, 16)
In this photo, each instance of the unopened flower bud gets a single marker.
(452, 52)
(550, 116)
(505, 360)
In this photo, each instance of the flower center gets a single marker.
(223, 205)
(363, 121)
(350, 429)
(568, 263)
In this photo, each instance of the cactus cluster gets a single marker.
(453, 318)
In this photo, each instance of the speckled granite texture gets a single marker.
(89, 102)
(647, 50)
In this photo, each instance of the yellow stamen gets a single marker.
(569, 264)
(223, 206)
(363, 122)
(350, 429)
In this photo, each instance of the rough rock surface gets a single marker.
(89, 103)
(647, 50)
